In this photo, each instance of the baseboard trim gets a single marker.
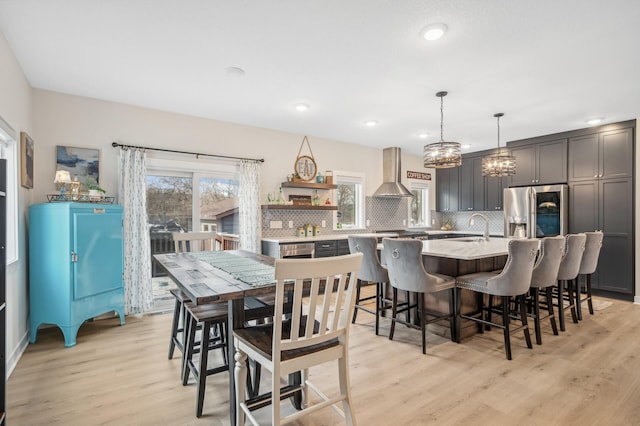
(636, 300)
(16, 354)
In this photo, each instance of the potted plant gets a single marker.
(95, 191)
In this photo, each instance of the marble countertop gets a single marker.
(464, 249)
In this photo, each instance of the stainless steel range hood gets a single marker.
(391, 186)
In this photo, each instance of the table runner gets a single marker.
(247, 270)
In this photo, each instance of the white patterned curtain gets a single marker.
(249, 208)
(132, 195)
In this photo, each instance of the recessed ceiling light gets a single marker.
(466, 146)
(423, 135)
(302, 107)
(235, 72)
(371, 123)
(433, 32)
(594, 121)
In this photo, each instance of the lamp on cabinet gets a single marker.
(62, 179)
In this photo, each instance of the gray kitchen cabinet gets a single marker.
(447, 191)
(607, 205)
(539, 163)
(325, 248)
(601, 155)
(494, 188)
(471, 184)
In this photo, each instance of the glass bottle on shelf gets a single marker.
(316, 199)
(75, 188)
(280, 199)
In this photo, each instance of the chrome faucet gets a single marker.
(485, 235)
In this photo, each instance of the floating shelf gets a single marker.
(308, 185)
(296, 207)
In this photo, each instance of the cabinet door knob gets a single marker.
(595, 176)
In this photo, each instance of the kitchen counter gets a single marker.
(345, 235)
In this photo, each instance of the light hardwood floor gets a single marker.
(589, 375)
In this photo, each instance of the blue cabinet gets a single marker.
(75, 265)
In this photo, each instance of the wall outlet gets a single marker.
(275, 224)
(324, 223)
(404, 222)
(433, 221)
(368, 223)
(290, 224)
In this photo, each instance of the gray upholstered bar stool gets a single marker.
(406, 272)
(513, 281)
(543, 278)
(569, 267)
(371, 272)
(587, 267)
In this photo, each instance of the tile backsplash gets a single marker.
(382, 214)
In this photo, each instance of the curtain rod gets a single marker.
(197, 154)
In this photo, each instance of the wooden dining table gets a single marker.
(195, 274)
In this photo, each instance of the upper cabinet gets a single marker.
(471, 184)
(447, 192)
(540, 163)
(602, 155)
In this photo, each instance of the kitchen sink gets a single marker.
(469, 239)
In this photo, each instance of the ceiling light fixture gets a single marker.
(423, 135)
(594, 121)
(442, 155)
(371, 123)
(433, 32)
(500, 163)
(302, 107)
(466, 146)
(235, 72)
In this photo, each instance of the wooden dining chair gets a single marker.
(316, 332)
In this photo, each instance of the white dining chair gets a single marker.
(316, 332)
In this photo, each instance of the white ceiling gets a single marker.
(548, 65)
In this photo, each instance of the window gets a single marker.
(349, 199)
(419, 204)
(188, 196)
(192, 195)
(9, 151)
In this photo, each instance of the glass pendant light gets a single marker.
(442, 155)
(500, 163)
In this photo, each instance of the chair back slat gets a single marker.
(317, 315)
(194, 241)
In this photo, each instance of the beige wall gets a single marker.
(16, 110)
(75, 121)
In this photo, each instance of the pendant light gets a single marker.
(442, 155)
(500, 163)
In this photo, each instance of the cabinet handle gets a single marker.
(469, 208)
(74, 256)
(595, 176)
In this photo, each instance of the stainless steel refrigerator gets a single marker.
(535, 211)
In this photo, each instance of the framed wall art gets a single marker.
(84, 162)
(26, 160)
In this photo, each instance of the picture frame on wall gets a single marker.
(26, 160)
(83, 162)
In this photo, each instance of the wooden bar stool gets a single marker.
(211, 319)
